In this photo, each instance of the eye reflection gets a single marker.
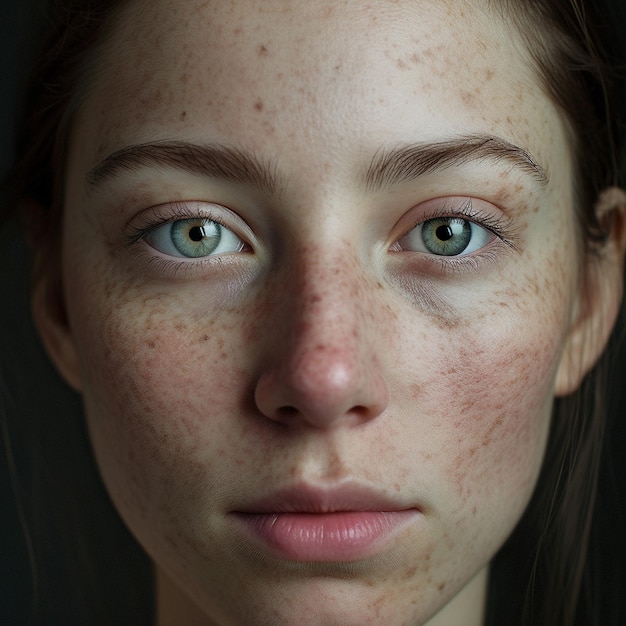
(446, 236)
(193, 238)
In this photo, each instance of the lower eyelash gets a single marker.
(473, 262)
(161, 265)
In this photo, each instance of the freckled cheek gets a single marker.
(501, 394)
(165, 399)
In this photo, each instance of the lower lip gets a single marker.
(326, 537)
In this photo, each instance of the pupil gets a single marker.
(196, 233)
(444, 233)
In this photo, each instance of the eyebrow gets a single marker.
(391, 167)
(215, 161)
(388, 167)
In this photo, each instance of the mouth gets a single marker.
(310, 524)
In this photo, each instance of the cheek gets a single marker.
(164, 390)
(487, 402)
(501, 414)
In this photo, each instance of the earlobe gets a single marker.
(599, 298)
(47, 299)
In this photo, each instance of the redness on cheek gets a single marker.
(502, 398)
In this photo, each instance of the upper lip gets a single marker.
(307, 498)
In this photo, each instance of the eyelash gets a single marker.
(501, 227)
(166, 214)
(169, 213)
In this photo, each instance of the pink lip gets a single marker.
(324, 525)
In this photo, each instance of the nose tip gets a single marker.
(322, 386)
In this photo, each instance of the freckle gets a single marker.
(184, 79)
(183, 115)
(441, 586)
(468, 97)
(258, 105)
(151, 345)
(205, 338)
(238, 31)
(416, 390)
(262, 50)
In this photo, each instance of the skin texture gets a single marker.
(325, 351)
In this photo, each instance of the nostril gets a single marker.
(362, 412)
(286, 412)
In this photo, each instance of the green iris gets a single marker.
(196, 237)
(446, 236)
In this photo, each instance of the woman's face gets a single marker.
(319, 261)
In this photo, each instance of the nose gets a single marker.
(323, 366)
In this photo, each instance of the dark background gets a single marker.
(26, 373)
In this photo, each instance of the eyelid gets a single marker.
(151, 218)
(475, 210)
(480, 212)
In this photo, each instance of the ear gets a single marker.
(47, 298)
(600, 295)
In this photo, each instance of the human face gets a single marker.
(326, 420)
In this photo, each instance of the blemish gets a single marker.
(183, 116)
(262, 50)
(258, 105)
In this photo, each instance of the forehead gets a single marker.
(312, 75)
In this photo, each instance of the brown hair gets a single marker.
(543, 574)
(572, 43)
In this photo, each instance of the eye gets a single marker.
(446, 236)
(193, 238)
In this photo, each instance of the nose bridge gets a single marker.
(327, 303)
(324, 366)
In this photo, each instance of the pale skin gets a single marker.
(327, 348)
